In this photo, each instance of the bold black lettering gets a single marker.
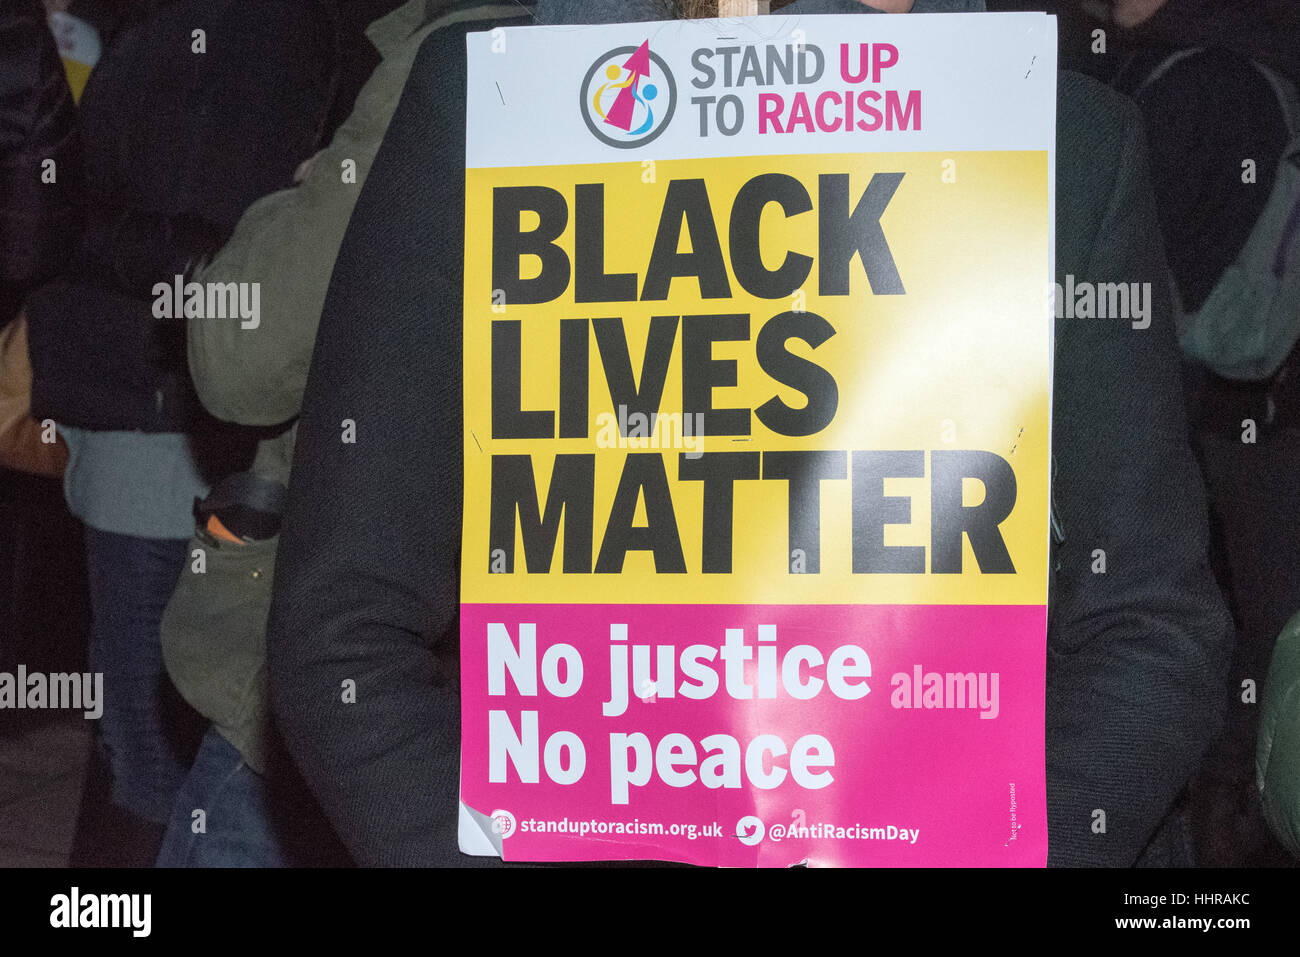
(805, 472)
(643, 473)
(842, 234)
(510, 244)
(746, 215)
(575, 370)
(719, 471)
(509, 420)
(687, 200)
(873, 510)
(611, 340)
(796, 372)
(590, 281)
(701, 373)
(571, 494)
(949, 518)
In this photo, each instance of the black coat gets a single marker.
(39, 221)
(178, 144)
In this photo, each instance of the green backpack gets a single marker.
(1277, 751)
(1251, 320)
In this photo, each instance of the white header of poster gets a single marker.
(761, 85)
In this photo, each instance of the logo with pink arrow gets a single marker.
(628, 96)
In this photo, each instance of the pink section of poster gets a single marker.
(769, 735)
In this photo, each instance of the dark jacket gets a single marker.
(367, 584)
(39, 220)
(179, 142)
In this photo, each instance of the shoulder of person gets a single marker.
(1099, 139)
(1087, 105)
(1215, 78)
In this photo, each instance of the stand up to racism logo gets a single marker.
(628, 96)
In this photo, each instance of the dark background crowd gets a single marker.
(172, 439)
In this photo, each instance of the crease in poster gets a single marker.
(758, 369)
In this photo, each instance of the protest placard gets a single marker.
(758, 353)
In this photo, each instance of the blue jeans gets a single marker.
(249, 820)
(147, 731)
